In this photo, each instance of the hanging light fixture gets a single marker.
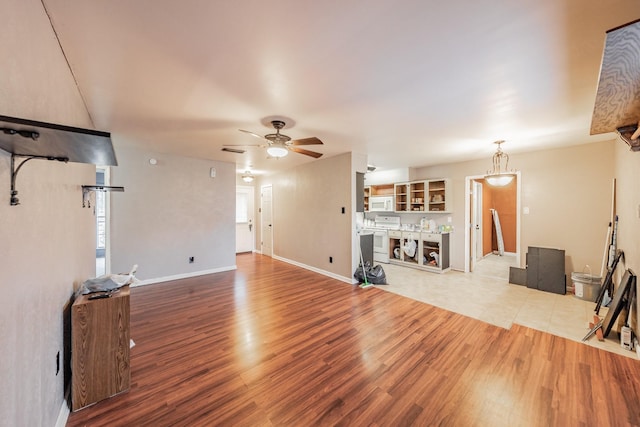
(277, 149)
(499, 176)
(247, 177)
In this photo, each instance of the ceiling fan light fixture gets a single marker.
(277, 150)
(500, 176)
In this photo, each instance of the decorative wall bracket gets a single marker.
(14, 172)
(87, 189)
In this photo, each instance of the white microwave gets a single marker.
(381, 204)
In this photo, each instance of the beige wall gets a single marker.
(169, 212)
(567, 191)
(48, 243)
(308, 223)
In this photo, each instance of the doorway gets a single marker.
(480, 232)
(244, 219)
(101, 212)
(266, 209)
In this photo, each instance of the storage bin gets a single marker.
(586, 286)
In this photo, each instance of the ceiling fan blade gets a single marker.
(252, 134)
(234, 150)
(305, 152)
(306, 141)
(244, 145)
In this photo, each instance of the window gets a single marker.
(241, 207)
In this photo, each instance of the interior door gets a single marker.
(244, 219)
(266, 210)
(477, 221)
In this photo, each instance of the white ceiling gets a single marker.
(409, 83)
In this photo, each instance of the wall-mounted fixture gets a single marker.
(500, 175)
(153, 162)
(247, 177)
(277, 149)
(47, 141)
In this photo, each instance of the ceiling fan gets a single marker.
(279, 145)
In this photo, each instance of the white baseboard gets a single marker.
(63, 415)
(316, 270)
(183, 276)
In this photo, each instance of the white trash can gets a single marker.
(586, 286)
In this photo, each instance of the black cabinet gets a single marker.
(545, 270)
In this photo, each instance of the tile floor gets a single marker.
(487, 295)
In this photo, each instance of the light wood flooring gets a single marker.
(276, 345)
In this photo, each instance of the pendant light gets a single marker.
(499, 176)
(247, 177)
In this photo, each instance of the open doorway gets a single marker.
(492, 241)
(101, 212)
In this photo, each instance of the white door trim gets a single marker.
(467, 218)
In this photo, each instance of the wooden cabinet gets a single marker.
(427, 251)
(439, 197)
(435, 251)
(416, 196)
(423, 196)
(376, 190)
(367, 193)
(99, 348)
(400, 193)
(410, 196)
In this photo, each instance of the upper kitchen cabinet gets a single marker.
(411, 196)
(439, 197)
(400, 193)
(416, 196)
(367, 193)
(376, 190)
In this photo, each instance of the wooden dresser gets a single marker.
(99, 348)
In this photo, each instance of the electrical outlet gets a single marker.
(191, 259)
(57, 363)
(331, 259)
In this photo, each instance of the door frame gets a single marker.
(476, 228)
(250, 214)
(467, 218)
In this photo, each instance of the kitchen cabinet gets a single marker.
(400, 193)
(367, 193)
(435, 250)
(410, 196)
(416, 196)
(99, 348)
(431, 250)
(423, 196)
(376, 190)
(439, 197)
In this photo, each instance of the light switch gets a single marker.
(525, 210)
(212, 173)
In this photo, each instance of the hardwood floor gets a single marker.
(273, 344)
